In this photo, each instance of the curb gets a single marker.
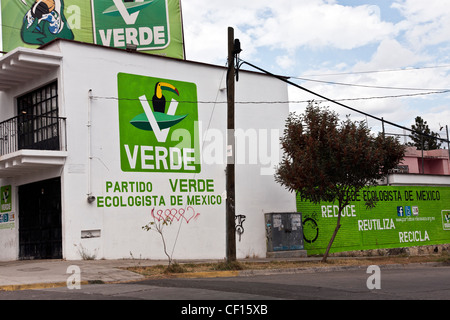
(36, 286)
(207, 274)
(247, 273)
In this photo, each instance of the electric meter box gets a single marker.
(284, 231)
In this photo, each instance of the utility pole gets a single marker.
(384, 137)
(230, 171)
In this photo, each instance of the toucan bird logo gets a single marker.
(158, 100)
(158, 120)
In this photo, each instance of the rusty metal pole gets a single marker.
(230, 171)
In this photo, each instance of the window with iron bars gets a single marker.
(37, 119)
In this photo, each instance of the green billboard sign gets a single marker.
(158, 124)
(5, 201)
(404, 216)
(152, 26)
(144, 24)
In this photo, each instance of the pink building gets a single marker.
(433, 162)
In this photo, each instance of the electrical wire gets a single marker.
(284, 79)
(290, 101)
(376, 71)
(368, 86)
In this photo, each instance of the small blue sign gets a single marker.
(400, 212)
(408, 211)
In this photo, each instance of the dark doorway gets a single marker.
(40, 235)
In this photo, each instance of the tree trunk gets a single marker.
(338, 225)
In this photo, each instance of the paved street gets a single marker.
(402, 283)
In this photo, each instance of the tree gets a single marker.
(423, 138)
(158, 225)
(327, 161)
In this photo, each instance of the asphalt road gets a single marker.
(256, 294)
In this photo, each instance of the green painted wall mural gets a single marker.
(403, 217)
(158, 124)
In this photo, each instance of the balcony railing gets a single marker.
(32, 132)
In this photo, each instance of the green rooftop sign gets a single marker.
(152, 26)
(141, 23)
(403, 217)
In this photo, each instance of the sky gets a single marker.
(389, 59)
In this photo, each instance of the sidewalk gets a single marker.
(35, 274)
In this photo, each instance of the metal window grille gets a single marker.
(37, 121)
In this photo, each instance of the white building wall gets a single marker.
(94, 160)
(9, 236)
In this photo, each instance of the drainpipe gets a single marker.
(90, 197)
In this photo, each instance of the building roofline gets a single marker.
(44, 46)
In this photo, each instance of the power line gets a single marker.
(396, 96)
(368, 86)
(288, 101)
(375, 71)
(284, 79)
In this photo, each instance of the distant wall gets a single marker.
(405, 216)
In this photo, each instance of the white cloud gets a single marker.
(321, 25)
(426, 22)
(282, 24)
(391, 54)
(279, 33)
(436, 118)
(285, 61)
